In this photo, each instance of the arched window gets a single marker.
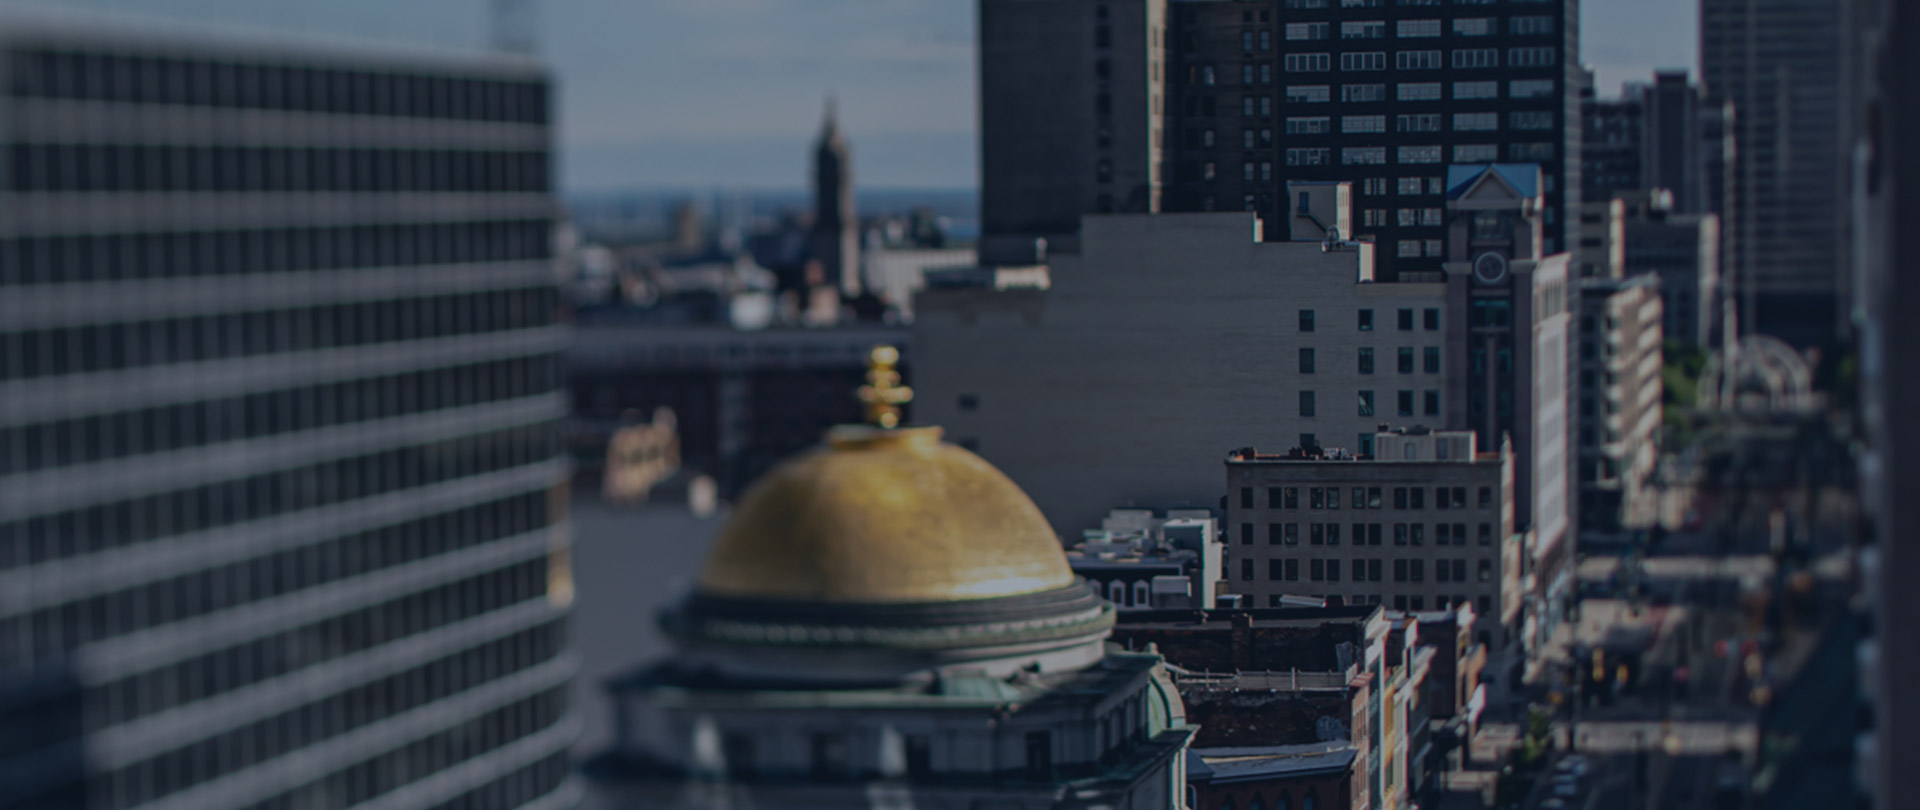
(1226, 804)
(1117, 593)
(1258, 803)
(1142, 597)
(1285, 802)
(1311, 801)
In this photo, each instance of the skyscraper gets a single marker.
(1071, 105)
(1242, 98)
(280, 497)
(836, 224)
(1782, 65)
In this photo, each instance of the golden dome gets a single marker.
(885, 516)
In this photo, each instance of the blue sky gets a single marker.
(728, 93)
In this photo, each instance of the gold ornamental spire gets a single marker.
(883, 394)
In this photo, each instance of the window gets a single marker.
(1407, 248)
(1363, 123)
(1308, 93)
(1366, 403)
(1371, 217)
(1266, 39)
(1417, 28)
(1418, 91)
(1406, 403)
(1306, 403)
(1316, 568)
(1531, 119)
(1431, 357)
(1246, 74)
(1363, 29)
(1206, 74)
(1530, 152)
(1246, 139)
(1246, 497)
(1530, 88)
(1399, 566)
(1366, 360)
(1293, 498)
(1306, 320)
(1307, 30)
(1306, 360)
(1316, 156)
(1430, 319)
(1532, 57)
(1473, 26)
(1409, 185)
(1476, 153)
(1416, 122)
(1420, 154)
(1486, 497)
(1476, 121)
(831, 758)
(1430, 216)
(1405, 320)
(1417, 569)
(1406, 352)
(1266, 73)
(1266, 170)
(1246, 534)
(1308, 62)
(1364, 60)
(1530, 25)
(1207, 170)
(1246, 171)
(1432, 399)
(1366, 320)
(1266, 105)
(1206, 138)
(1266, 137)
(1476, 58)
(1039, 755)
(1363, 155)
(1246, 568)
(1291, 534)
(1304, 126)
(1246, 105)
(1486, 534)
(1486, 570)
(1363, 92)
(1417, 60)
(1246, 42)
(1374, 186)
(1472, 90)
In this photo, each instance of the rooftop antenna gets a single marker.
(512, 22)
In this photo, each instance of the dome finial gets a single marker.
(883, 394)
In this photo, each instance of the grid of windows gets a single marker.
(1363, 92)
(1307, 156)
(1476, 153)
(1476, 121)
(1363, 29)
(1363, 155)
(1308, 62)
(1308, 94)
(1363, 60)
(1307, 30)
(1417, 28)
(1363, 123)
(1418, 91)
(1532, 57)
(1476, 58)
(1305, 126)
(1417, 122)
(56, 167)
(1420, 154)
(1481, 89)
(1473, 26)
(1417, 60)
(1531, 119)
(1530, 88)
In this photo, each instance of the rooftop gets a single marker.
(1220, 765)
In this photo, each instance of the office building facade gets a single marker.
(1620, 399)
(1783, 66)
(1426, 523)
(1087, 392)
(1258, 95)
(281, 505)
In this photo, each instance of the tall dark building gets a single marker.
(1257, 94)
(1071, 105)
(1385, 95)
(281, 504)
(836, 224)
(1672, 142)
(1782, 64)
(1613, 143)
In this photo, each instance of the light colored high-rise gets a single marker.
(280, 489)
(1619, 400)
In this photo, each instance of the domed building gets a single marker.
(888, 621)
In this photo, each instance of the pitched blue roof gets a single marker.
(1524, 177)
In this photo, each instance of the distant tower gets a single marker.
(512, 23)
(835, 223)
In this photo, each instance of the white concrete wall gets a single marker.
(1166, 342)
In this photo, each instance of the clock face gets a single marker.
(1490, 268)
